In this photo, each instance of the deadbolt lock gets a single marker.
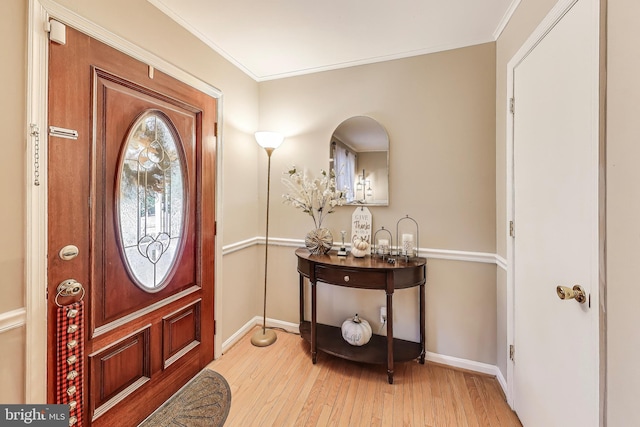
(69, 252)
(576, 293)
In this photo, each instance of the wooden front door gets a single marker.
(134, 193)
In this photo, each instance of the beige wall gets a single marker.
(439, 111)
(623, 212)
(12, 111)
(12, 214)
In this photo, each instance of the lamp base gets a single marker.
(263, 337)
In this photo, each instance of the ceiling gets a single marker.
(271, 39)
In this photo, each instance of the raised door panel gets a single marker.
(119, 370)
(181, 333)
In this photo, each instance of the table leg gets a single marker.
(422, 325)
(390, 337)
(314, 326)
(301, 298)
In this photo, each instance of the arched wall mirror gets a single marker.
(359, 155)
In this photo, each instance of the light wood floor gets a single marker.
(279, 386)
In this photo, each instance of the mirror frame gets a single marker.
(363, 128)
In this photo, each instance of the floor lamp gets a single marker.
(269, 141)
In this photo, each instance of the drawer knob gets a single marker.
(346, 278)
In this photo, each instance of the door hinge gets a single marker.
(512, 353)
(512, 105)
(512, 229)
(215, 228)
(215, 327)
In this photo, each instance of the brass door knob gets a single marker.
(576, 293)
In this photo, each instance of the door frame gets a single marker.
(598, 92)
(40, 11)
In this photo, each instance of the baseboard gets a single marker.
(454, 362)
(502, 381)
(469, 365)
(271, 323)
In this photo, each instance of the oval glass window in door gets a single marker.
(151, 200)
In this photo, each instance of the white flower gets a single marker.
(317, 197)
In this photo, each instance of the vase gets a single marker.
(319, 241)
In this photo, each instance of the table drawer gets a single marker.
(352, 278)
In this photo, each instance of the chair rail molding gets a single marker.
(13, 319)
(430, 253)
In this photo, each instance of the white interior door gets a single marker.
(555, 148)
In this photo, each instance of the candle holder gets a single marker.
(407, 236)
(382, 246)
(343, 249)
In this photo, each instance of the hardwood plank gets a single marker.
(298, 397)
(417, 397)
(388, 408)
(476, 400)
(464, 410)
(339, 403)
(279, 386)
(278, 397)
(494, 421)
(428, 397)
(505, 415)
(324, 391)
(442, 398)
(356, 413)
(398, 393)
(350, 401)
(371, 398)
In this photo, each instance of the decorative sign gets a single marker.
(361, 225)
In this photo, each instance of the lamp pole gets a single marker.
(265, 337)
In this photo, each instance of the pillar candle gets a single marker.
(383, 245)
(407, 244)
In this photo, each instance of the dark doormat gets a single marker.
(203, 402)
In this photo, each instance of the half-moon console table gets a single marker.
(363, 273)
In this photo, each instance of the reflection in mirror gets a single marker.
(151, 200)
(359, 156)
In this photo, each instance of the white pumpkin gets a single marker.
(356, 331)
(359, 247)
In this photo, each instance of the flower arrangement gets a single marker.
(317, 197)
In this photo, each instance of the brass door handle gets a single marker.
(576, 293)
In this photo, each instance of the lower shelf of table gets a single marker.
(329, 340)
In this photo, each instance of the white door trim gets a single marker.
(36, 196)
(552, 18)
